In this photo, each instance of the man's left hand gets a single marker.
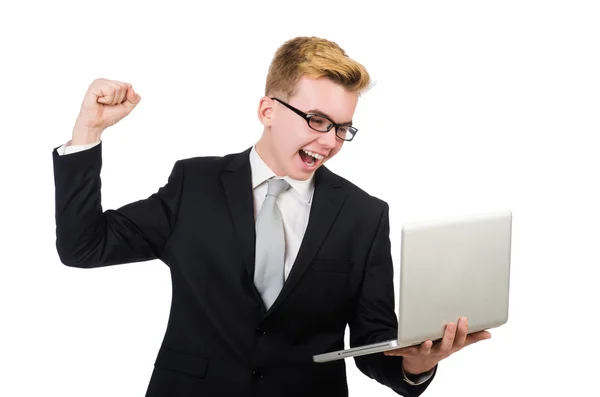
(423, 358)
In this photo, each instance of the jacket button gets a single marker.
(260, 331)
(256, 374)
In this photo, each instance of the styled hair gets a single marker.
(313, 57)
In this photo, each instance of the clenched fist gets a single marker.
(106, 102)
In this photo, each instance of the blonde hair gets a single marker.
(313, 57)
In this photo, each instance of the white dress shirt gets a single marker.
(294, 205)
(64, 149)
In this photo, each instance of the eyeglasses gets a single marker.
(322, 123)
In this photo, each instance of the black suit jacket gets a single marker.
(220, 340)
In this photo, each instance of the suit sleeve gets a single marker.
(67, 149)
(87, 237)
(375, 318)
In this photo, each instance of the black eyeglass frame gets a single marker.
(308, 116)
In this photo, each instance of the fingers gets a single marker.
(477, 337)
(119, 91)
(404, 351)
(131, 98)
(448, 339)
(104, 91)
(110, 92)
(461, 333)
(425, 349)
(107, 102)
(119, 94)
(456, 336)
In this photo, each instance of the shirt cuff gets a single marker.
(64, 149)
(416, 380)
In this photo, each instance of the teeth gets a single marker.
(315, 155)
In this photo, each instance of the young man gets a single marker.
(271, 254)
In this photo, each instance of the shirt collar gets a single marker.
(261, 172)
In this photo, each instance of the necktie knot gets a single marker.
(276, 187)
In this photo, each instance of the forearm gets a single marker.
(88, 237)
(78, 210)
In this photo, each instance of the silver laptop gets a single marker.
(449, 268)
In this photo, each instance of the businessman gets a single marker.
(271, 254)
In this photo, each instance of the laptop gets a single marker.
(451, 267)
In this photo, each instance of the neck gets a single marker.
(264, 150)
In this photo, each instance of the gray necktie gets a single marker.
(270, 245)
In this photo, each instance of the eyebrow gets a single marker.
(321, 113)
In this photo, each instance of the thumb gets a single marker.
(130, 102)
(131, 98)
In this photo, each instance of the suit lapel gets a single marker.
(237, 183)
(327, 200)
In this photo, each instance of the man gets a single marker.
(271, 254)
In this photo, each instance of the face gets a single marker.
(288, 145)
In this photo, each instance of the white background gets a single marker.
(477, 106)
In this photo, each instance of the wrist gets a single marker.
(417, 380)
(83, 134)
(413, 368)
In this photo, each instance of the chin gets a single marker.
(299, 176)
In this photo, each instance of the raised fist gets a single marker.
(106, 102)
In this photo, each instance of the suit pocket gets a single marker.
(184, 363)
(323, 266)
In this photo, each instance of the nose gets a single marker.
(328, 139)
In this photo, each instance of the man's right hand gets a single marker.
(106, 102)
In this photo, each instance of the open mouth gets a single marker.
(309, 158)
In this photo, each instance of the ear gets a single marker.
(265, 111)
